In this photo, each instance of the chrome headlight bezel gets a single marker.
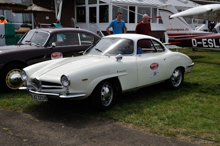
(65, 80)
(24, 75)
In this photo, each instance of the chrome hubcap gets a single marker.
(13, 79)
(106, 94)
(176, 77)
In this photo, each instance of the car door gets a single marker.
(34, 51)
(128, 66)
(69, 44)
(35, 55)
(151, 63)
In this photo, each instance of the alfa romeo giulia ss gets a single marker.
(116, 64)
(40, 45)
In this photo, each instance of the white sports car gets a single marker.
(116, 64)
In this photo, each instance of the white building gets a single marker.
(102, 12)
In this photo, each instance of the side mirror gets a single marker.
(53, 45)
(118, 57)
(81, 52)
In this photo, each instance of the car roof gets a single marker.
(134, 37)
(59, 29)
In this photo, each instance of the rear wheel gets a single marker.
(176, 79)
(103, 96)
(10, 78)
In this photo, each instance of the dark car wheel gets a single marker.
(103, 96)
(176, 79)
(10, 78)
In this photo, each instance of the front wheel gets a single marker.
(103, 96)
(176, 79)
(10, 78)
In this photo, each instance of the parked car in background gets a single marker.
(41, 45)
(111, 67)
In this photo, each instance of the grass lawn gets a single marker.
(192, 111)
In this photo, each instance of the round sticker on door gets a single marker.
(154, 70)
(154, 66)
(56, 55)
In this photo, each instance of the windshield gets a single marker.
(113, 46)
(36, 37)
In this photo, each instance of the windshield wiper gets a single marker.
(28, 42)
(102, 52)
(38, 44)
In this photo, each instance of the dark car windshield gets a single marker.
(36, 37)
(112, 46)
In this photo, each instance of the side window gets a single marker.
(146, 45)
(86, 39)
(56, 38)
(71, 39)
(158, 46)
(60, 37)
(64, 39)
(124, 47)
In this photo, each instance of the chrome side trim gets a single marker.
(192, 64)
(79, 39)
(52, 87)
(137, 88)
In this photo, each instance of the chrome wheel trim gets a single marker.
(106, 94)
(13, 79)
(177, 77)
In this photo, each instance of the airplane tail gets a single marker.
(177, 27)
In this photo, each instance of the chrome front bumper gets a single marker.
(189, 68)
(191, 65)
(53, 94)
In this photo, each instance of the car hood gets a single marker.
(66, 65)
(12, 48)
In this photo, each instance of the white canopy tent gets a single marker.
(176, 3)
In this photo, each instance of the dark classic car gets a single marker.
(41, 45)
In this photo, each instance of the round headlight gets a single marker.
(65, 81)
(24, 75)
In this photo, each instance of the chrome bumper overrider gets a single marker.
(53, 94)
(191, 65)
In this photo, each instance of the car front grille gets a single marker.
(49, 85)
(39, 85)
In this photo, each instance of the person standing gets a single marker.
(211, 25)
(117, 25)
(2, 19)
(143, 27)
